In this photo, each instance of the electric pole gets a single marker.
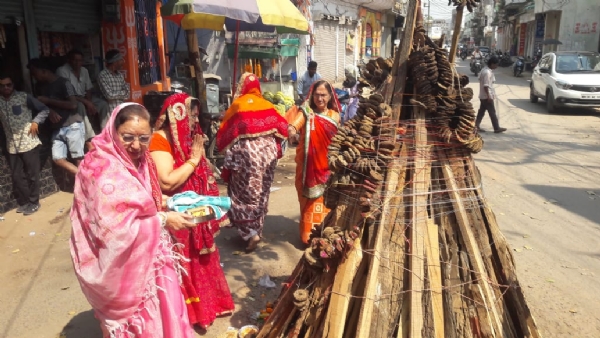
(428, 19)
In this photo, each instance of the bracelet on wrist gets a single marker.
(163, 218)
(190, 162)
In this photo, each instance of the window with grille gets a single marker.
(147, 41)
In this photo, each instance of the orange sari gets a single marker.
(312, 171)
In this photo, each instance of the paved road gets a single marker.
(542, 177)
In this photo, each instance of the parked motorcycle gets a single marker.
(519, 66)
(505, 61)
(476, 66)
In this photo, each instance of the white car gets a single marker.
(567, 80)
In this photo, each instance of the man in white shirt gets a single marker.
(79, 77)
(487, 96)
(310, 76)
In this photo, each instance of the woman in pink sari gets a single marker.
(121, 249)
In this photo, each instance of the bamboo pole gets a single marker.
(456, 33)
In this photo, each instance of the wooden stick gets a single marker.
(435, 278)
(469, 240)
(418, 231)
(456, 34)
(397, 90)
(341, 292)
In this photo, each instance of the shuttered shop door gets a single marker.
(324, 49)
(9, 10)
(83, 17)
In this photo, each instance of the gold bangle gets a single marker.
(191, 163)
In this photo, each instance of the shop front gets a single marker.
(50, 29)
(370, 45)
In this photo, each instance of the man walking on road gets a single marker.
(310, 76)
(22, 142)
(487, 96)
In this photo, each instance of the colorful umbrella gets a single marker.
(237, 15)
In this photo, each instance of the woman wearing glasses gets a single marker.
(312, 126)
(121, 249)
(177, 147)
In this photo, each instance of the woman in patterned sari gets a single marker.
(311, 127)
(251, 136)
(177, 147)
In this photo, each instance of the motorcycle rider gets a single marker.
(476, 55)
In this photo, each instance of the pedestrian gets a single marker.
(79, 77)
(350, 85)
(306, 81)
(311, 128)
(111, 82)
(121, 249)
(66, 115)
(177, 147)
(251, 135)
(487, 96)
(21, 130)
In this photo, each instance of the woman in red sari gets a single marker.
(312, 127)
(251, 136)
(177, 147)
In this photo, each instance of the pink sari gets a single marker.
(122, 257)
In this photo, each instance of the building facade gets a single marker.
(575, 23)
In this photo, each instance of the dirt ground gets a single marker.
(542, 178)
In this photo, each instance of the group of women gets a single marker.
(151, 272)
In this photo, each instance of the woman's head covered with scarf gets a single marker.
(250, 115)
(179, 117)
(332, 104)
(248, 84)
(115, 234)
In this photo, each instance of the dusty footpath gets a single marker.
(542, 178)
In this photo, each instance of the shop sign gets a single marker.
(586, 28)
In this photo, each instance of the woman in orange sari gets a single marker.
(312, 126)
(250, 136)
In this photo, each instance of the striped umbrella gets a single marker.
(237, 15)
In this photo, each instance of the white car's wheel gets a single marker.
(532, 97)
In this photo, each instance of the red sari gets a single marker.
(205, 288)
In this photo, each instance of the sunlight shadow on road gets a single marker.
(582, 202)
(82, 325)
(540, 108)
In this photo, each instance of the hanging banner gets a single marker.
(522, 36)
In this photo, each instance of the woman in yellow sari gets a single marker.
(312, 126)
